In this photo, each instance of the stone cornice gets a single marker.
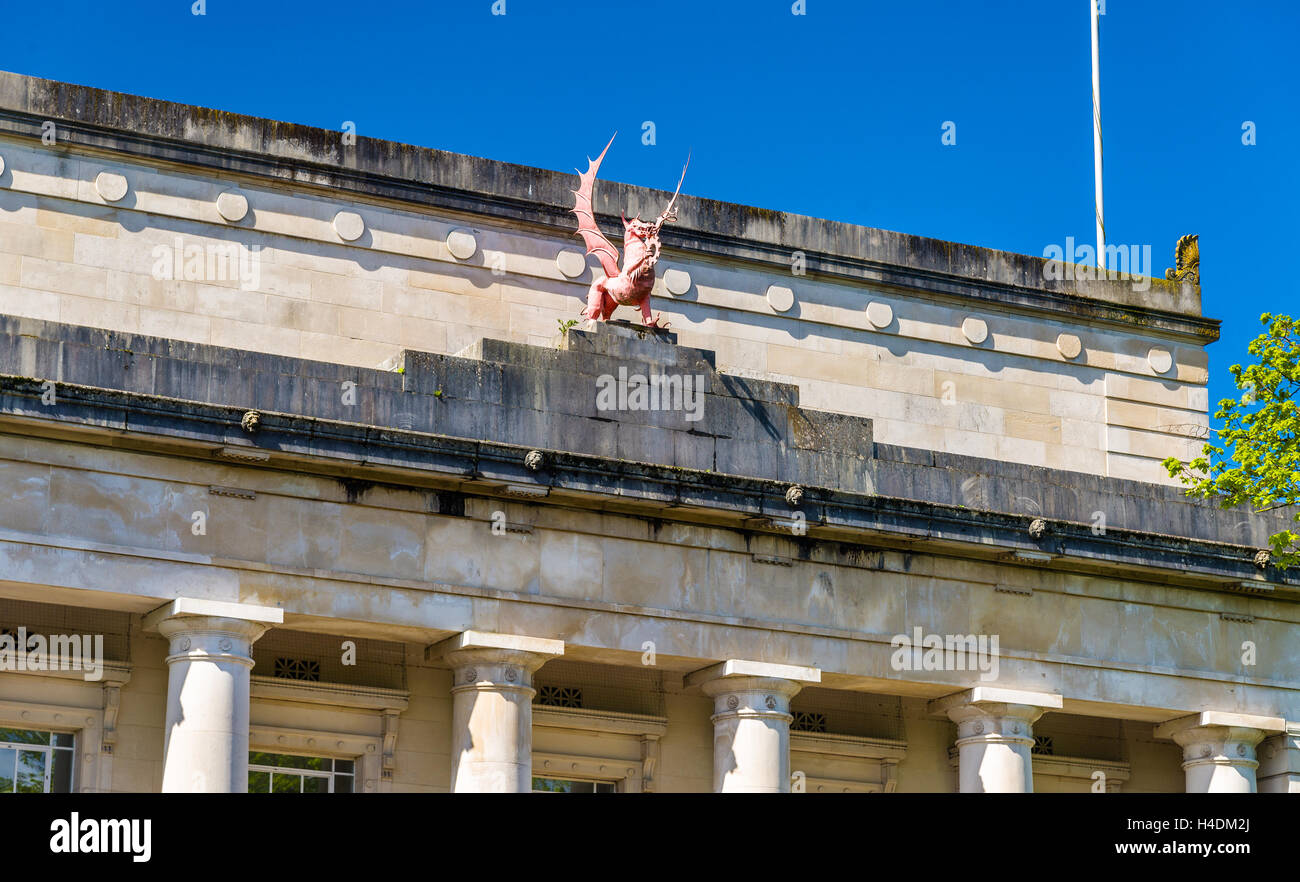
(231, 144)
(188, 428)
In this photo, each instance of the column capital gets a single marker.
(172, 615)
(491, 648)
(1219, 748)
(736, 668)
(1184, 726)
(995, 701)
(1220, 739)
(197, 627)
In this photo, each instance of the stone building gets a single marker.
(299, 433)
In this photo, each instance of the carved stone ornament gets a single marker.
(251, 422)
(794, 496)
(1263, 558)
(533, 460)
(771, 703)
(630, 285)
(1037, 528)
(471, 675)
(733, 702)
(1187, 261)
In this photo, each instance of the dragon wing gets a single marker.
(591, 235)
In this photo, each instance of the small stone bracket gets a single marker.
(1014, 589)
(391, 720)
(236, 492)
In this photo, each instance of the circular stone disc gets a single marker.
(570, 263)
(779, 298)
(1069, 345)
(349, 225)
(232, 206)
(110, 186)
(1160, 360)
(881, 315)
(461, 244)
(976, 330)
(678, 282)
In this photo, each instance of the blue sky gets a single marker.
(836, 113)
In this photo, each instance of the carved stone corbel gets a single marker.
(888, 775)
(649, 762)
(112, 705)
(390, 742)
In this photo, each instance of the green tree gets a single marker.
(1257, 459)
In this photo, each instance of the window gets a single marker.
(287, 773)
(561, 785)
(32, 761)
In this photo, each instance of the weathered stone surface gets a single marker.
(545, 398)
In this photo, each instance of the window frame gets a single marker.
(306, 773)
(48, 750)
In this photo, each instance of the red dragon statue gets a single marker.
(629, 286)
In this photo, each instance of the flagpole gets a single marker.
(1096, 130)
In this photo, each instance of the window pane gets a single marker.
(62, 739)
(31, 771)
(8, 757)
(24, 736)
(344, 766)
(311, 784)
(559, 785)
(286, 783)
(61, 772)
(259, 782)
(342, 783)
(289, 761)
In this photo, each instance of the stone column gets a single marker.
(492, 708)
(751, 722)
(1279, 762)
(1219, 748)
(205, 741)
(995, 736)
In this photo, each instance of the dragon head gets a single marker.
(639, 229)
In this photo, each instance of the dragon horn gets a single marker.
(673, 201)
